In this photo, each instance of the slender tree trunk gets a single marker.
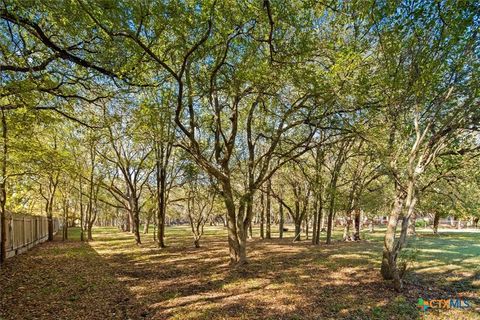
(358, 224)
(53, 188)
(436, 220)
(65, 220)
(128, 220)
(347, 231)
(268, 210)
(298, 221)
(320, 219)
(298, 230)
(136, 221)
(147, 222)
(161, 189)
(281, 219)
(331, 211)
(262, 217)
(347, 236)
(315, 221)
(250, 213)
(412, 227)
(306, 227)
(3, 192)
(82, 238)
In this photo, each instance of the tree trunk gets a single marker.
(3, 224)
(297, 219)
(436, 220)
(389, 260)
(65, 220)
(128, 220)
(147, 222)
(250, 213)
(281, 220)
(161, 185)
(459, 224)
(81, 209)
(306, 227)
(315, 221)
(331, 209)
(412, 227)
(268, 211)
(238, 222)
(392, 248)
(136, 217)
(330, 220)
(358, 221)
(262, 217)
(352, 204)
(347, 236)
(196, 243)
(3, 192)
(298, 230)
(50, 218)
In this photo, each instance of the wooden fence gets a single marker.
(24, 232)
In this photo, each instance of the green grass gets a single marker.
(282, 280)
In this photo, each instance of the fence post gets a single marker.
(12, 235)
(24, 231)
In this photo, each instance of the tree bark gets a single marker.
(281, 219)
(389, 259)
(392, 247)
(136, 218)
(147, 222)
(358, 222)
(3, 191)
(306, 227)
(82, 238)
(262, 217)
(412, 231)
(436, 220)
(298, 221)
(331, 211)
(268, 210)
(53, 182)
(65, 220)
(161, 189)
(315, 221)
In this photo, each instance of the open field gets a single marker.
(112, 278)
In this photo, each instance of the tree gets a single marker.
(200, 202)
(430, 84)
(128, 154)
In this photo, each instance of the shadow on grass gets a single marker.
(283, 280)
(112, 278)
(64, 280)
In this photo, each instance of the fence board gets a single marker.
(24, 232)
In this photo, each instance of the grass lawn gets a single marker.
(112, 278)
